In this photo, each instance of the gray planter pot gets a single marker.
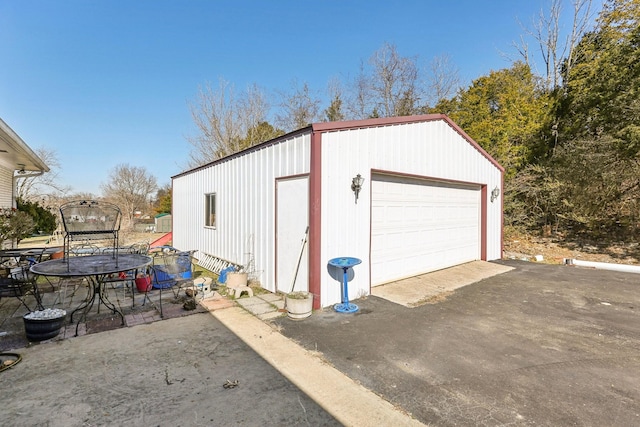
(299, 308)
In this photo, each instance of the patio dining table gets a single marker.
(95, 268)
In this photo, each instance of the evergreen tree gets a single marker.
(506, 113)
(44, 220)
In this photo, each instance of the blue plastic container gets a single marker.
(222, 278)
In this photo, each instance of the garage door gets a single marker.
(419, 226)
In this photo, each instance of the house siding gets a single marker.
(6, 187)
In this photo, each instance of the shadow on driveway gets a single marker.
(539, 345)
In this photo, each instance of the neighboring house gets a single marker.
(431, 199)
(16, 160)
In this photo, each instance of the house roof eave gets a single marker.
(15, 153)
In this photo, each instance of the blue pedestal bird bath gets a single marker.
(345, 263)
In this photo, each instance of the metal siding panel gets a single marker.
(429, 149)
(245, 188)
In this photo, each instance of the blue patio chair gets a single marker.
(171, 269)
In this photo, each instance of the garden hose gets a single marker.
(17, 358)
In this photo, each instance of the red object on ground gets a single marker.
(143, 284)
(162, 240)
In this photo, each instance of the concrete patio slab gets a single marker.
(170, 373)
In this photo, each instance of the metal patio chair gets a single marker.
(20, 282)
(126, 279)
(171, 269)
(90, 220)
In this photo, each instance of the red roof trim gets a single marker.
(472, 142)
(388, 121)
(245, 151)
(368, 123)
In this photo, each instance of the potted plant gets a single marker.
(237, 279)
(299, 304)
(44, 324)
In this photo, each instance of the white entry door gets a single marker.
(418, 226)
(292, 220)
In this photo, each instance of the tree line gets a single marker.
(132, 188)
(386, 85)
(568, 137)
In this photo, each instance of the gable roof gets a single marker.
(357, 124)
(368, 123)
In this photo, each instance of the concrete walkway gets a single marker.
(410, 292)
(347, 401)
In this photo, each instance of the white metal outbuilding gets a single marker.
(431, 199)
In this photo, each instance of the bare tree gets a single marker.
(443, 80)
(129, 187)
(335, 111)
(582, 14)
(253, 109)
(557, 54)
(300, 107)
(360, 99)
(394, 82)
(35, 187)
(225, 123)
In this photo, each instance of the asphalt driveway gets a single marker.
(540, 345)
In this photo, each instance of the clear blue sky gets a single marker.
(106, 82)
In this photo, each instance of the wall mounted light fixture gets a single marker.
(356, 185)
(494, 194)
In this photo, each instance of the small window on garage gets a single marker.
(210, 210)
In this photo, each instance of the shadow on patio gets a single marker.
(69, 294)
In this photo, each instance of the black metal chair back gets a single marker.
(20, 282)
(86, 220)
